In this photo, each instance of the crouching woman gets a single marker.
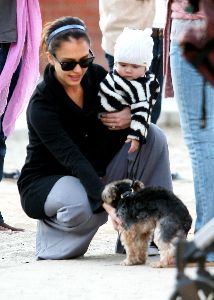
(72, 153)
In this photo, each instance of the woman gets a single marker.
(188, 87)
(72, 153)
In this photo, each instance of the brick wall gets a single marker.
(85, 9)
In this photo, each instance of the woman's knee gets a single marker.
(74, 215)
(67, 195)
(157, 136)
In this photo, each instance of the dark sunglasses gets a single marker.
(70, 65)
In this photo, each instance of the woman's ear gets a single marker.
(50, 58)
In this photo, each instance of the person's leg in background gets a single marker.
(3, 56)
(188, 88)
(2, 155)
(157, 68)
(4, 48)
(2, 151)
(2, 228)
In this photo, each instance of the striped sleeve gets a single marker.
(141, 110)
(110, 99)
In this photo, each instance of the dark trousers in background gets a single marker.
(157, 68)
(110, 60)
(4, 48)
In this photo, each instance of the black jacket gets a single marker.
(66, 140)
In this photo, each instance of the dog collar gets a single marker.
(127, 194)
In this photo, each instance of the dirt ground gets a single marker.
(98, 275)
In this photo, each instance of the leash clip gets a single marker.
(127, 194)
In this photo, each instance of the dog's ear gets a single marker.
(114, 191)
(137, 185)
(109, 193)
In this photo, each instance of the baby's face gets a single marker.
(130, 71)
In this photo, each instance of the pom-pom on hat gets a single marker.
(134, 46)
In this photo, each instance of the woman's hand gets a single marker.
(117, 223)
(117, 120)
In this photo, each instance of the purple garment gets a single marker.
(29, 26)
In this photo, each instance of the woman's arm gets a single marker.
(117, 224)
(117, 120)
(47, 125)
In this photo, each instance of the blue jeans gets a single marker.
(4, 48)
(156, 68)
(188, 84)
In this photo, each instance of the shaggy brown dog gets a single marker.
(144, 212)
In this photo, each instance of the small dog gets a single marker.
(145, 211)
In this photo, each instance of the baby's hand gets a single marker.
(134, 145)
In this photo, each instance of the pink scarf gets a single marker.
(29, 26)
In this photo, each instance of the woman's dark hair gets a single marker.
(65, 35)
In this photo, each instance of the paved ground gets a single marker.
(96, 276)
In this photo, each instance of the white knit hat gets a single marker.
(134, 46)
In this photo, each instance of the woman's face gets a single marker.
(72, 50)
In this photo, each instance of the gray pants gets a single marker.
(72, 225)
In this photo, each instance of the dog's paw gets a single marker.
(126, 262)
(157, 264)
(163, 264)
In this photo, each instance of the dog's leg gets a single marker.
(142, 245)
(127, 238)
(136, 244)
(167, 258)
(166, 249)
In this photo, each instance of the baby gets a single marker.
(131, 84)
